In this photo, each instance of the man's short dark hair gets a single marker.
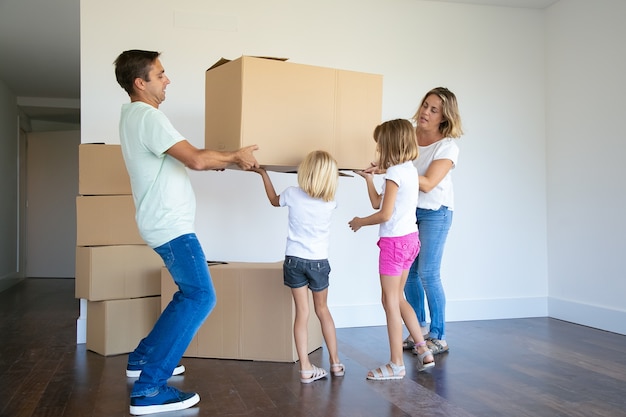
(133, 64)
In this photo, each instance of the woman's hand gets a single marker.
(373, 169)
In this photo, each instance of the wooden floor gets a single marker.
(521, 367)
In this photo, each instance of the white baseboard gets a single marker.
(494, 309)
(465, 310)
(460, 310)
(81, 323)
(602, 318)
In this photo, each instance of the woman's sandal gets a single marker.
(309, 375)
(386, 372)
(408, 343)
(421, 365)
(436, 346)
(338, 369)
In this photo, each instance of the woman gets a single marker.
(438, 123)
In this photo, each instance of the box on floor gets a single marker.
(116, 326)
(253, 317)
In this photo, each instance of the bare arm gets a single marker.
(269, 187)
(436, 171)
(205, 159)
(375, 197)
(382, 215)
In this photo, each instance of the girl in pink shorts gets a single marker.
(399, 243)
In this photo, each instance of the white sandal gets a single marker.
(382, 373)
(421, 366)
(309, 375)
(338, 369)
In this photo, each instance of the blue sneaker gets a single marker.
(166, 399)
(133, 371)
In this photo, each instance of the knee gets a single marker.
(206, 301)
(322, 311)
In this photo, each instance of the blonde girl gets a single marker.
(398, 239)
(306, 265)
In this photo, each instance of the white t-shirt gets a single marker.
(309, 224)
(402, 221)
(164, 199)
(443, 193)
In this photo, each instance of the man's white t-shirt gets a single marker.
(402, 221)
(164, 199)
(308, 236)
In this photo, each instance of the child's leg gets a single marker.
(328, 324)
(412, 324)
(300, 325)
(408, 314)
(392, 287)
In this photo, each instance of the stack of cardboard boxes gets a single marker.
(116, 272)
(288, 110)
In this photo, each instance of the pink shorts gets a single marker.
(397, 253)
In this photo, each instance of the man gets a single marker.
(157, 158)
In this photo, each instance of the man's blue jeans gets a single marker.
(160, 352)
(425, 273)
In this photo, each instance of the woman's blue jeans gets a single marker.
(160, 352)
(425, 273)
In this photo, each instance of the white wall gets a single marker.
(492, 58)
(586, 172)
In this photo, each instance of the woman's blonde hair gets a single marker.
(318, 175)
(450, 127)
(396, 143)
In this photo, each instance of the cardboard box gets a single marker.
(117, 326)
(117, 272)
(253, 317)
(101, 170)
(291, 109)
(106, 220)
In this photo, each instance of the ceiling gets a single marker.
(40, 54)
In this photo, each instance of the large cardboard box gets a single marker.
(117, 326)
(101, 170)
(106, 220)
(291, 109)
(253, 317)
(117, 272)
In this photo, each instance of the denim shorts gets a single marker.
(397, 253)
(298, 272)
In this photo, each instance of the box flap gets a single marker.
(223, 60)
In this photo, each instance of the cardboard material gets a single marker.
(291, 109)
(253, 317)
(117, 326)
(106, 220)
(101, 170)
(117, 272)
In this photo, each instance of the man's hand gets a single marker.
(245, 158)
